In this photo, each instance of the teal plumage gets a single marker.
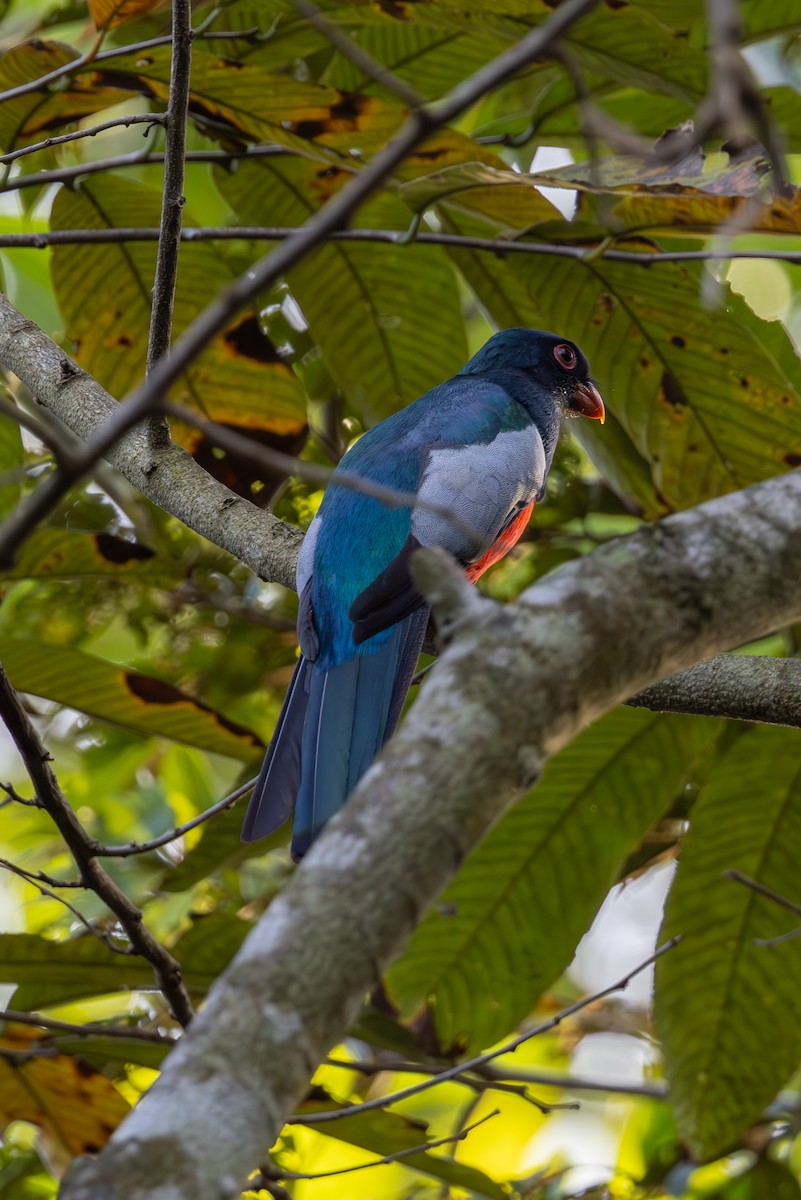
(479, 446)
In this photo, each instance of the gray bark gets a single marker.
(513, 685)
(167, 475)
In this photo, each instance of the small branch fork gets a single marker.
(52, 800)
(146, 401)
(269, 1175)
(481, 1060)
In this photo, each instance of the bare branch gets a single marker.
(141, 158)
(145, 399)
(129, 848)
(173, 194)
(769, 894)
(101, 935)
(91, 1029)
(480, 1060)
(744, 687)
(172, 479)
(279, 233)
(398, 1156)
(365, 62)
(76, 134)
(52, 799)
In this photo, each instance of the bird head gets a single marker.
(553, 363)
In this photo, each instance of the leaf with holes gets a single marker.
(32, 116)
(387, 318)
(510, 922)
(105, 297)
(109, 692)
(728, 1010)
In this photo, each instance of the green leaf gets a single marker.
(124, 697)
(50, 973)
(78, 554)
(32, 116)
(238, 99)
(510, 922)
(387, 318)
(728, 1011)
(708, 395)
(12, 459)
(239, 380)
(385, 1133)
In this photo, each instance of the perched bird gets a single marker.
(475, 452)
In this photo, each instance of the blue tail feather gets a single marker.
(333, 724)
(273, 796)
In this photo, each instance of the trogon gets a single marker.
(475, 453)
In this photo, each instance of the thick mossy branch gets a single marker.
(516, 683)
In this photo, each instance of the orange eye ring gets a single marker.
(565, 355)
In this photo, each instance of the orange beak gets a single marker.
(587, 401)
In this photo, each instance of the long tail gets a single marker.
(331, 727)
(279, 778)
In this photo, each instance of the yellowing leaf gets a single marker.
(30, 117)
(108, 13)
(243, 100)
(123, 697)
(694, 195)
(105, 297)
(77, 1107)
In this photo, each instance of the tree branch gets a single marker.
(172, 203)
(76, 134)
(53, 801)
(514, 684)
(393, 237)
(171, 479)
(744, 687)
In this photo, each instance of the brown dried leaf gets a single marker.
(108, 13)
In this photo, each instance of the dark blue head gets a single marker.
(553, 363)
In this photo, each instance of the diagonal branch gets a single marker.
(146, 400)
(513, 685)
(53, 801)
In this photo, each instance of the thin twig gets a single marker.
(777, 898)
(37, 877)
(147, 399)
(42, 888)
(37, 763)
(129, 848)
(93, 57)
(76, 134)
(280, 233)
(398, 1156)
(173, 201)
(92, 1029)
(137, 158)
(471, 1064)
(569, 1083)
(288, 464)
(365, 62)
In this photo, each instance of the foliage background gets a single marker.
(156, 665)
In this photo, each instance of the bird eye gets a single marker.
(565, 355)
